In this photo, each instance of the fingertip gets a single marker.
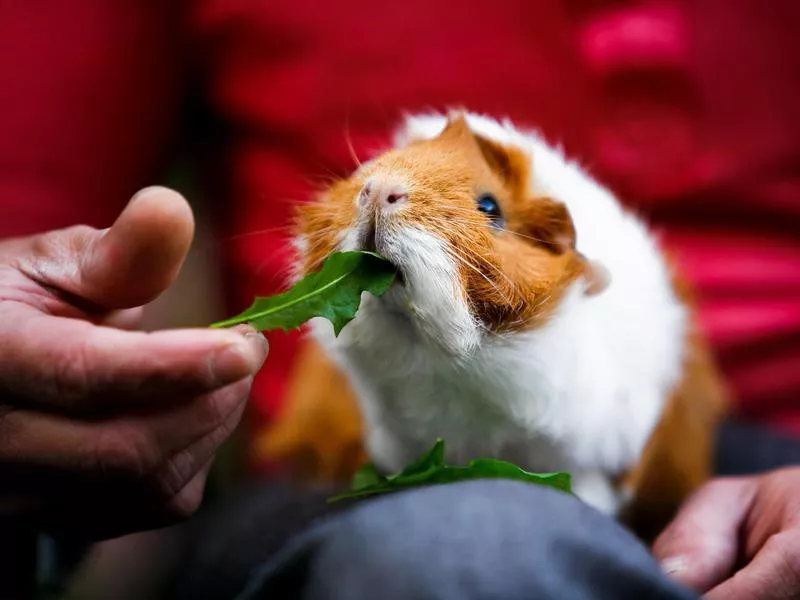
(699, 547)
(141, 254)
(678, 568)
(259, 346)
(155, 191)
(257, 340)
(243, 329)
(687, 554)
(674, 565)
(163, 209)
(242, 357)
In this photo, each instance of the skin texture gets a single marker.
(738, 538)
(102, 428)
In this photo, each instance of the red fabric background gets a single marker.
(687, 109)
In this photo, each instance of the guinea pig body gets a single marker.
(535, 319)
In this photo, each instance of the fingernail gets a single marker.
(260, 347)
(674, 565)
(236, 361)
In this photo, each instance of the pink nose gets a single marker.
(385, 194)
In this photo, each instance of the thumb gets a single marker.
(123, 266)
(700, 547)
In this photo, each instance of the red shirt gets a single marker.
(688, 110)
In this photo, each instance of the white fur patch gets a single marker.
(583, 393)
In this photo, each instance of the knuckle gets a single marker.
(72, 378)
(224, 428)
(240, 391)
(212, 408)
(125, 450)
(218, 406)
(188, 496)
(175, 473)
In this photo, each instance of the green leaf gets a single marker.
(367, 476)
(334, 292)
(431, 469)
(431, 460)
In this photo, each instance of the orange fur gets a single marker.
(513, 278)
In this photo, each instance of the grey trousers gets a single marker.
(488, 540)
(479, 540)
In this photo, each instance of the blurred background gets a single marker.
(688, 110)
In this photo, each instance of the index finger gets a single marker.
(73, 364)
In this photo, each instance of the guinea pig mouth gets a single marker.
(370, 242)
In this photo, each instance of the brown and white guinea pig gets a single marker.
(534, 319)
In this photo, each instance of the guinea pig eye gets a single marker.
(489, 206)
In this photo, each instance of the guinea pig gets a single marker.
(534, 319)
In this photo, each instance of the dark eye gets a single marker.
(488, 205)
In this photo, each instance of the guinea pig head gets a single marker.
(478, 251)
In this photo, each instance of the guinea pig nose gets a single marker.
(383, 193)
(396, 198)
(392, 196)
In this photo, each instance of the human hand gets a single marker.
(738, 538)
(101, 428)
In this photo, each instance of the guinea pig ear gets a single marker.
(510, 164)
(456, 127)
(548, 223)
(596, 275)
